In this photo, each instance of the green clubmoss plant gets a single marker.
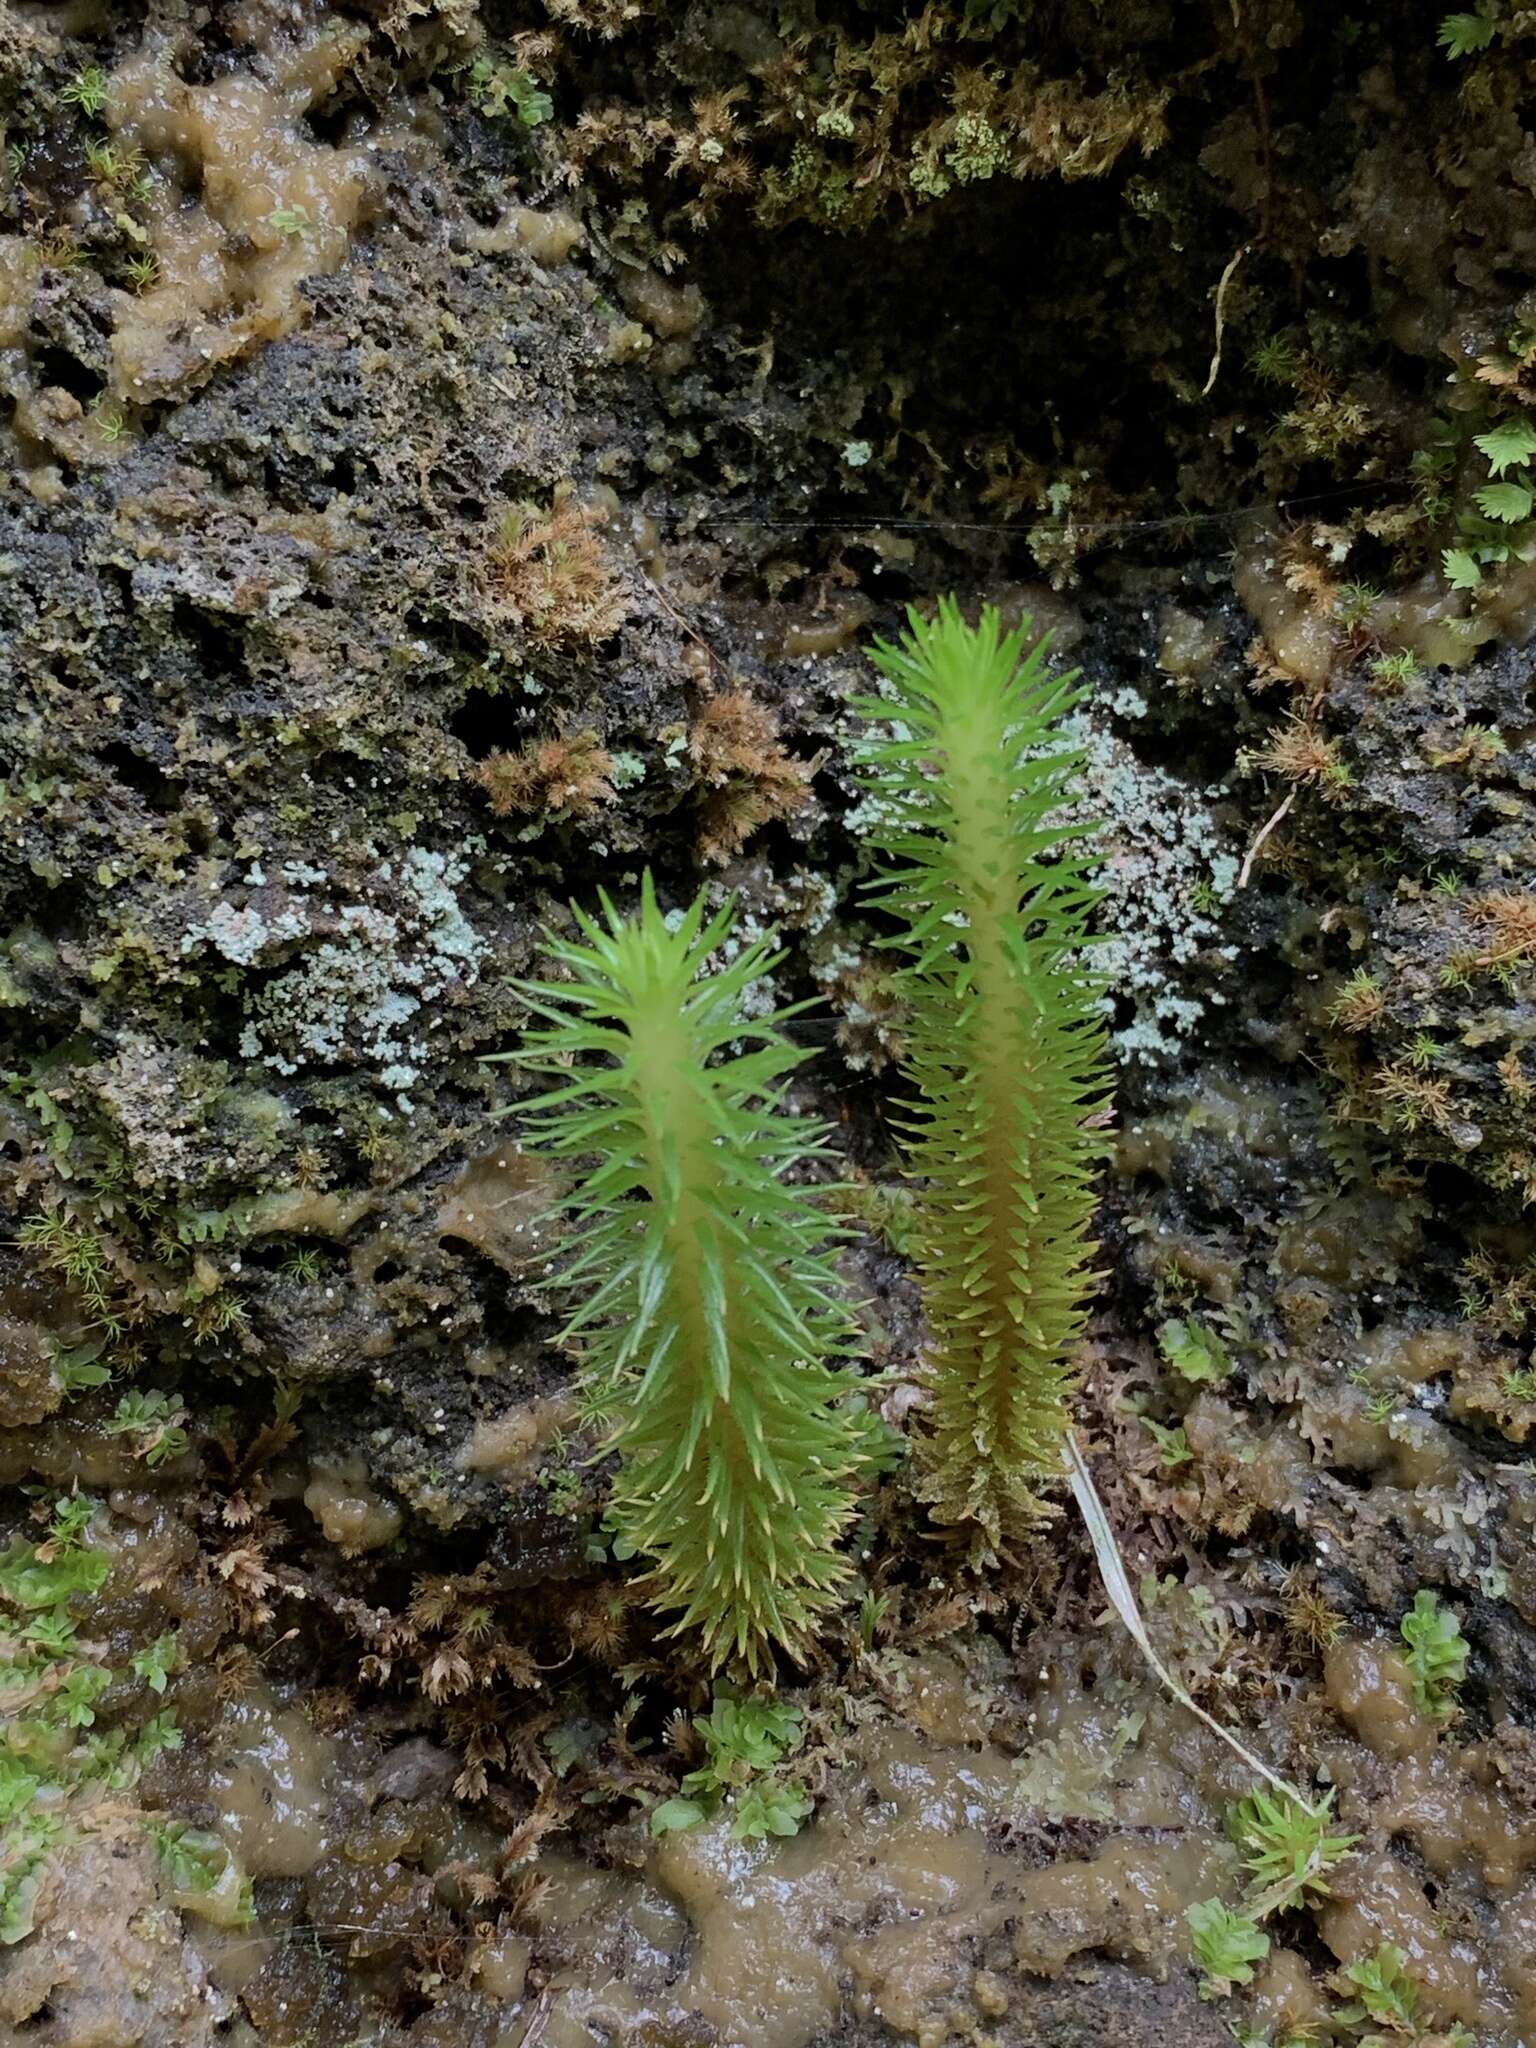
(708, 1306)
(968, 775)
(968, 778)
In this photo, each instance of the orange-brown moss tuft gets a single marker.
(1312, 1623)
(747, 777)
(599, 1626)
(1509, 918)
(1413, 1099)
(549, 571)
(567, 776)
(1303, 755)
(1358, 1004)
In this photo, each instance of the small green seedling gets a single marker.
(80, 1368)
(31, 1580)
(772, 1809)
(89, 90)
(742, 1738)
(203, 1873)
(1277, 361)
(1353, 603)
(1226, 1945)
(1385, 1992)
(506, 92)
(154, 1420)
(1172, 1444)
(1288, 1849)
(1437, 1655)
(110, 422)
(1194, 1351)
(291, 221)
(1396, 670)
(156, 1663)
(873, 1610)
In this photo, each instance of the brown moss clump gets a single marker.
(1509, 918)
(1358, 1004)
(548, 570)
(872, 1016)
(1500, 1297)
(567, 776)
(1412, 1100)
(1307, 757)
(746, 775)
(1312, 1623)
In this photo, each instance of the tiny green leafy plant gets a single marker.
(1226, 1946)
(507, 92)
(155, 1663)
(152, 1420)
(1437, 1655)
(774, 1809)
(1384, 1992)
(80, 1368)
(291, 222)
(1172, 1444)
(1395, 670)
(1288, 1849)
(50, 1575)
(89, 90)
(1464, 35)
(966, 774)
(201, 1870)
(1194, 1352)
(710, 1315)
(742, 1740)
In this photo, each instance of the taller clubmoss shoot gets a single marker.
(709, 1310)
(1005, 1048)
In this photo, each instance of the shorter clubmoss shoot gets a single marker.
(710, 1312)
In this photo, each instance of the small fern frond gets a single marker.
(968, 777)
(709, 1312)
